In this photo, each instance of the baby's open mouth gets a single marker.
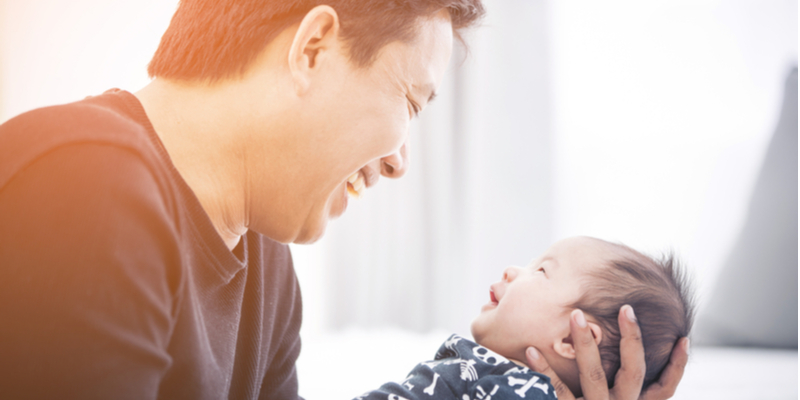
(493, 298)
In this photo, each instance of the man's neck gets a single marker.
(193, 123)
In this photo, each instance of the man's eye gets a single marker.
(414, 108)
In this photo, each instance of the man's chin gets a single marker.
(339, 207)
(311, 233)
(335, 214)
(309, 238)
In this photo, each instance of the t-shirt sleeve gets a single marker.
(86, 290)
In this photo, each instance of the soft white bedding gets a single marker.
(344, 364)
(739, 373)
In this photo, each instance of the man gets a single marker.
(141, 238)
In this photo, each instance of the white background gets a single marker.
(643, 122)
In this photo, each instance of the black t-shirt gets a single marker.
(114, 283)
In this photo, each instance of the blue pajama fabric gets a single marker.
(464, 370)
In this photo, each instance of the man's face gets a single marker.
(364, 115)
(529, 306)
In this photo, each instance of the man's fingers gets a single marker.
(537, 363)
(628, 382)
(673, 372)
(592, 376)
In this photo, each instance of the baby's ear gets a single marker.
(565, 348)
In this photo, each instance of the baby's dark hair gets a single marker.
(661, 297)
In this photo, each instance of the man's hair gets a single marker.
(660, 294)
(209, 40)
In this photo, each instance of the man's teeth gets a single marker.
(355, 185)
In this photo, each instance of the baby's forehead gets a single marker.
(587, 252)
(584, 246)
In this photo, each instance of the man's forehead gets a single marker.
(412, 68)
(425, 58)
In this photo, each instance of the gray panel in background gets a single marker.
(755, 300)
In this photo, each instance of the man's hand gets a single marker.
(628, 382)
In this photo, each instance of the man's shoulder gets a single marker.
(104, 119)
(97, 146)
(100, 117)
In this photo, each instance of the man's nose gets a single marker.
(395, 165)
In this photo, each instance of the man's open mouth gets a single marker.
(492, 297)
(356, 185)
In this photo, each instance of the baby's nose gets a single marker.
(510, 273)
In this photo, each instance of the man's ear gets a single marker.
(565, 348)
(315, 38)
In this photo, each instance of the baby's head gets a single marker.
(531, 306)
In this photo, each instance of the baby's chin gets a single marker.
(477, 333)
(495, 346)
(498, 342)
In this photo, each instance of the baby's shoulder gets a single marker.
(515, 383)
(480, 372)
(457, 347)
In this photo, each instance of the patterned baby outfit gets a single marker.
(464, 370)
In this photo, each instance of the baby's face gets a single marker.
(529, 306)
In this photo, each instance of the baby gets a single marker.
(531, 306)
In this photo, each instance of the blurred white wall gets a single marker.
(639, 122)
(643, 122)
(58, 51)
(663, 111)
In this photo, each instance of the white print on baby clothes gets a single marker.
(482, 395)
(452, 342)
(468, 372)
(432, 388)
(526, 384)
(408, 384)
(488, 356)
(395, 397)
(431, 364)
(517, 370)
